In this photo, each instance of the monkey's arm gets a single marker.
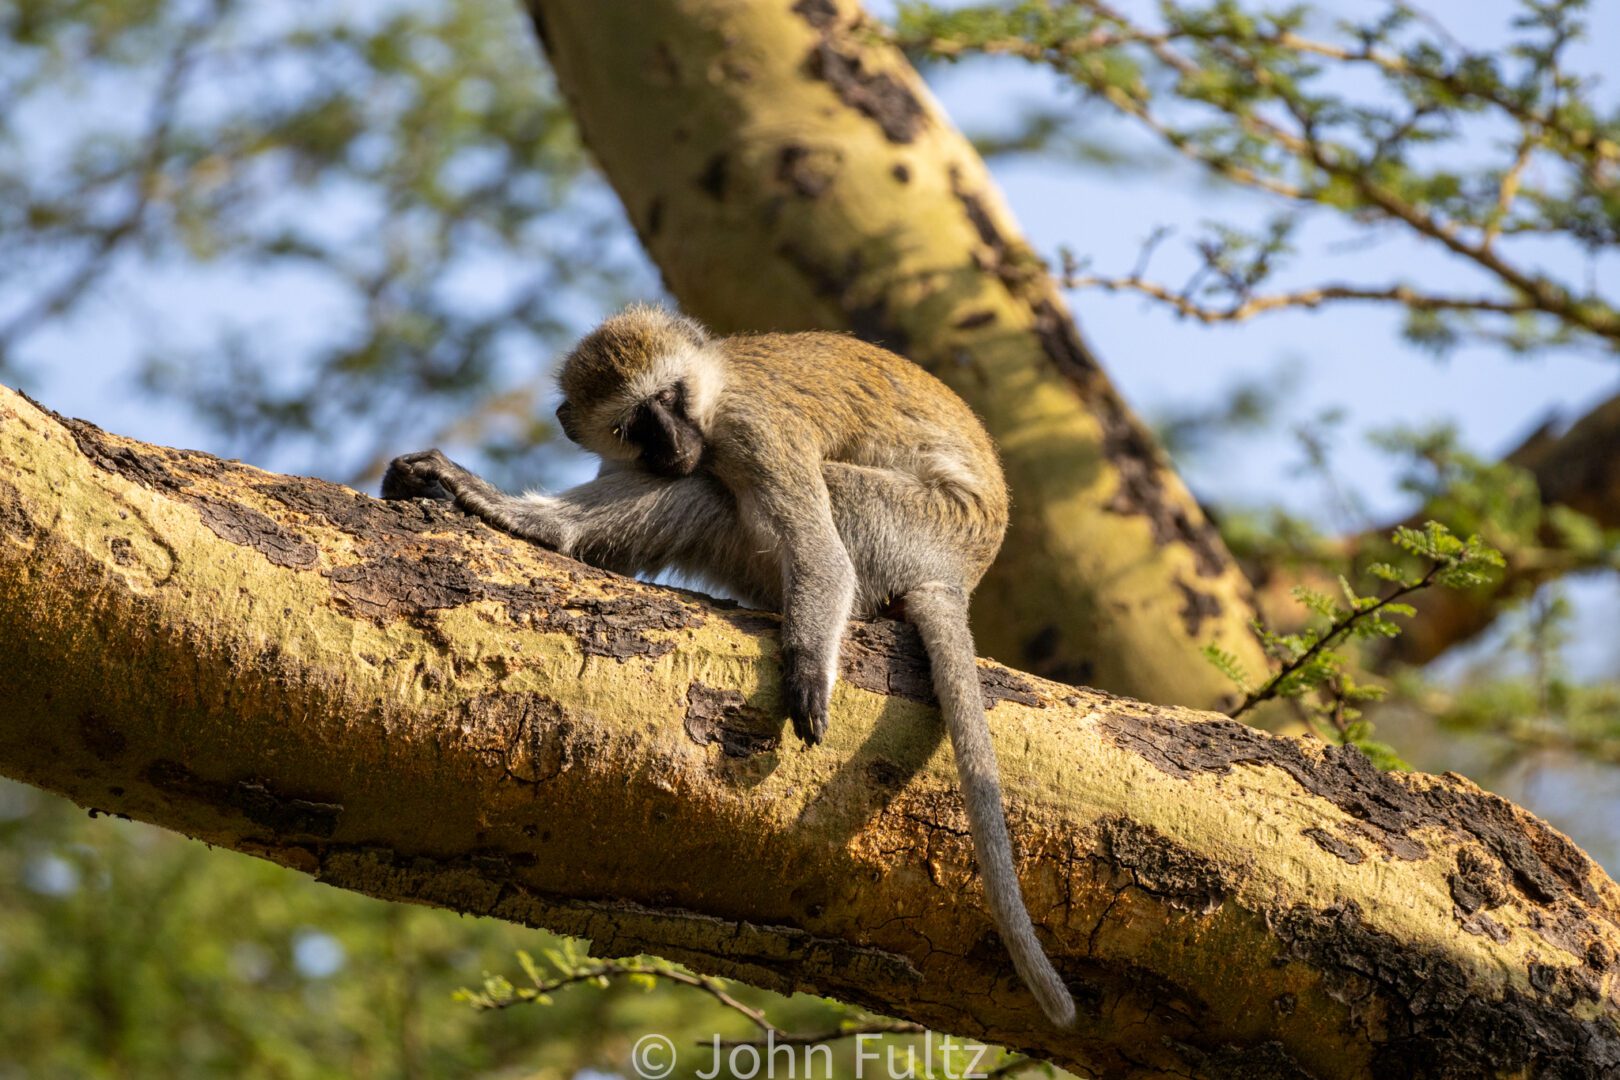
(782, 494)
(626, 521)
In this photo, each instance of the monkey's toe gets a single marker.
(811, 726)
(808, 698)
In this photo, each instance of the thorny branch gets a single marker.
(1272, 136)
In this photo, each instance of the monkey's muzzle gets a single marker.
(671, 445)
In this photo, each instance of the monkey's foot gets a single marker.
(807, 688)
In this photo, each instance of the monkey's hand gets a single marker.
(418, 476)
(807, 686)
(430, 475)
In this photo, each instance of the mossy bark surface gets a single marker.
(787, 170)
(400, 701)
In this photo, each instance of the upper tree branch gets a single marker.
(400, 701)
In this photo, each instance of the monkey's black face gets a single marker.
(670, 443)
(566, 421)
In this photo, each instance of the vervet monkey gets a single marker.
(812, 473)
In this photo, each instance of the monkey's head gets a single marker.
(640, 388)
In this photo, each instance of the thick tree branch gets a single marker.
(400, 701)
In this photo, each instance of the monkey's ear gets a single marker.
(565, 420)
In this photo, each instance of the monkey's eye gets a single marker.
(667, 397)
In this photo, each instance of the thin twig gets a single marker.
(769, 1032)
(1334, 634)
(1508, 189)
(1303, 298)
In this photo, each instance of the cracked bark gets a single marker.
(399, 701)
(787, 171)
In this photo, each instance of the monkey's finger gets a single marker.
(406, 480)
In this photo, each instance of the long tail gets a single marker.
(940, 613)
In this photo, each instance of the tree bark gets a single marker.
(400, 701)
(787, 171)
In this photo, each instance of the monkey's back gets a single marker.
(857, 403)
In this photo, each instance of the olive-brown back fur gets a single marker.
(840, 399)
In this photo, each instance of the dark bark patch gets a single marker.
(610, 626)
(1065, 348)
(712, 180)
(979, 216)
(1433, 1022)
(14, 519)
(372, 520)
(103, 740)
(528, 735)
(1336, 846)
(1140, 489)
(1542, 865)
(386, 588)
(875, 94)
(655, 216)
(108, 456)
(1010, 260)
(246, 527)
(887, 657)
(999, 684)
(1482, 925)
(820, 14)
(1477, 882)
(1262, 1061)
(724, 717)
(808, 172)
(1563, 926)
(284, 815)
(901, 172)
(1196, 606)
(975, 319)
(1157, 864)
(123, 552)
